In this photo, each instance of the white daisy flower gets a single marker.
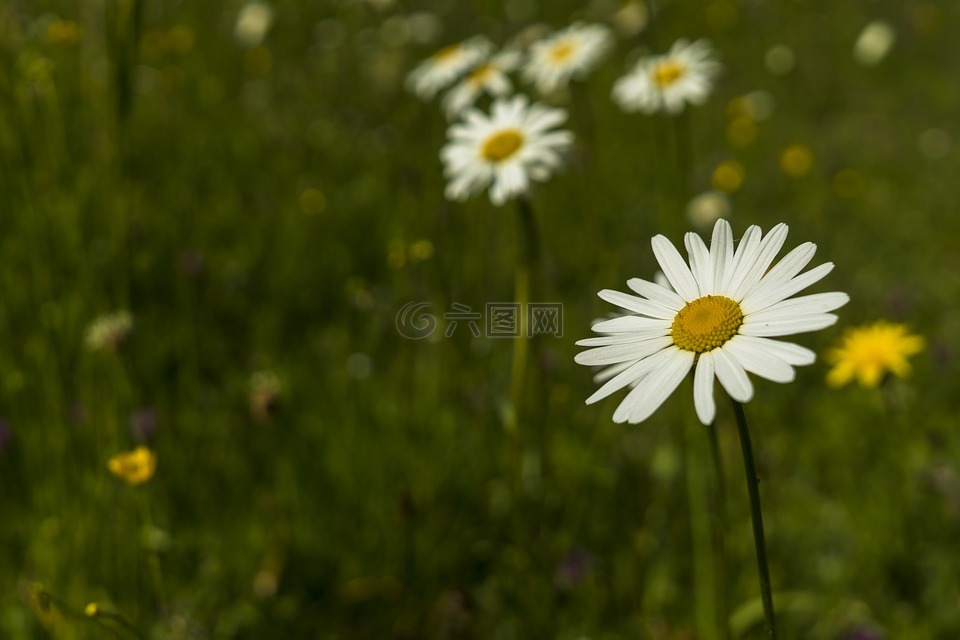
(442, 68)
(667, 82)
(490, 77)
(571, 52)
(718, 319)
(514, 145)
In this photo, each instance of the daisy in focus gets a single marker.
(489, 77)
(666, 83)
(134, 467)
(570, 53)
(717, 317)
(506, 150)
(869, 352)
(441, 69)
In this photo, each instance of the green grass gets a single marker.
(164, 170)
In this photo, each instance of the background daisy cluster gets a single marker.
(211, 428)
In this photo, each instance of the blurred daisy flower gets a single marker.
(874, 43)
(705, 209)
(109, 332)
(134, 467)
(868, 352)
(717, 319)
(489, 77)
(253, 23)
(666, 83)
(570, 53)
(516, 144)
(441, 69)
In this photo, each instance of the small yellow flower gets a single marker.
(92, 610)
(64, 32)
(134, 467)
(796, 160)
(868, 352)
(728, 176)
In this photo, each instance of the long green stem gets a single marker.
(753, 488)
(153, 557)
(528, 257)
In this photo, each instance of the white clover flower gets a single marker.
(489, 77)
(718, 319)
(666, 83)
(507, 150)
(874, 43)
(441, 69)
(109, 332)
(705, 209)
(570, 53)
(253, 23)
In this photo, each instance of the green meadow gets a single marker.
(264, 200)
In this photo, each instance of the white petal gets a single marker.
(629, 376)
(632, 323)
(674, 267)
(756, 360)
(792, 354)
(775, 293)
(743, 259)
(626, 377)
(608, 372)
(721, 252)
(620, 338)
(732, 376)
(612, 354)
(769, 248)
(802, 306)
(789, 266)
(654, 388)
(637, 305)
(656, 293)
(788, 326)
(703, 389)
(699, 262)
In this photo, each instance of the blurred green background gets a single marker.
(265, 209)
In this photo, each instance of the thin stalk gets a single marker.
(683, 152)
(753, 488)
(153, 558)
(528, 256)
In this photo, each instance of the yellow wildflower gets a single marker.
(134, 467)
(868, 352)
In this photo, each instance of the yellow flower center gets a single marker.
(502, 145)
(562, 51)
(480, 75)
(446, 53)
(706, 323)
(666, 73)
